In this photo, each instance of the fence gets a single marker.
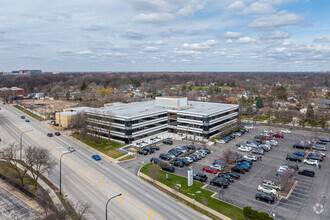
(34, 112)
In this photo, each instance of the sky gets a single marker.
(165, 35)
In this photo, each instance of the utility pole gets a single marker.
(106, 206)
(61, 170)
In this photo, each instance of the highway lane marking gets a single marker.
(101, 183)
(84, 172)
(104, 192)
(122, 198)
(150, 215)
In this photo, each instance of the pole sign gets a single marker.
(190, 176)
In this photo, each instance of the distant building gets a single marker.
(29, 72)
(1, 73)
(15, 72)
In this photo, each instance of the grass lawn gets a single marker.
(28, 113)
(126, 158)
(199, 87)
(201, 195)
(104, 147)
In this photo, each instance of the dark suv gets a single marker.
(200, 177)
(23, 117)
(307, 172)
(165, 156)
(218, 181)
(238, 169)
(226, 176)
(168, 168)
(168, 142)
(234, 175)
(155, 160)
(294, 157)
(265, 197)
(178, 163)
(50, 134)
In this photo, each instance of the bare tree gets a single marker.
(154, 172)
(226, 153)
(38, 162)
(10, 154)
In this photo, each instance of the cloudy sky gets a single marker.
(165, 35)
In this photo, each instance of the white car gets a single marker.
(251, 157)
(71, 149)
(311, 162)
(216, 166)
(268, 131)
(244, 149)
(251, 145)
(267, 189)
(248, 127)
(286, 131)
(237, 134)
(264, 134)
(189, 159)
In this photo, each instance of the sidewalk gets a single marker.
(188, 199)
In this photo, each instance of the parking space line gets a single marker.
(101, 183)
(122, 198)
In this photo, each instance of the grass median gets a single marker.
(104, 146)
(196, 192)
(28, 113)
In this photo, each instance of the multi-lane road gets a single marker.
(89, 181)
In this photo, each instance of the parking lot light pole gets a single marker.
(106, 206)
(21, 137)
(61, 170)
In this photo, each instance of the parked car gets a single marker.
(314, 157)
(27, 120)
(155, 147)
(265, 147)
(300, 154)
(267, 189)
(238, 169)
(234, 175)
(155, 160)
(226, 176)
(306, 172)
(71, 149)
(321, 142)
(96, 157)
(218, 181)
(272, 184)
(248, 165)
(178, 163)
(292, 166)
(320, 153)
(168, 142)
(165, 156)
(265, 197)
(206, 150)
(258, 150)
(200, 177)
(302, 145)
(294, 157)
(278, 135)
(50, 134)
(22, 117)
(57, 133)
(168, 168)
(244, 149)
(251, 157)
(311, 162)
(143, 152)
(319, 147)
(286, 131)
(210, 170)
(221, 141)
(191, 147)
(325, 139)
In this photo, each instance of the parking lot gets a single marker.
(308, 200)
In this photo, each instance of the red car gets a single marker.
(278, 135)
(210, 170)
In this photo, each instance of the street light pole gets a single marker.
(106, 206)
(21, 137)
(61, 170)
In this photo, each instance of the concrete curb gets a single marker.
(291, 190)
(188, 199)
(112, 160)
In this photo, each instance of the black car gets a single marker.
(238, 169)
(218, 181)
(200, 177)
(301, 145)
(307, 172)
(178, 163)
(168, 168)
(325, 139)
(57, 133)
(144, 152)
(150, 150)
(50, 134)
(315, 157)
(155, 160)
(22, 117)
(165, 156)
(168, 142)
(154, 147)
(175, 152)
(294, 157)
(226, 176)
(265, 197)
(193, 157)
(184, 160)
(321, 142)
(234, 175)
(191, 147)
(206, 150)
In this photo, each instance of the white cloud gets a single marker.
(229, 41)
(325, 39)
(189, 10)
(259, 8)
(280, 49)
(245, 40)
(287, 43)
(151, 49)
(84, 52)
(233, 35)
(271, 22)
(278, 35)
(187, 52)
(203, 45)
(154, 18)
(236, 5)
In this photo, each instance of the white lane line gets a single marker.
(181, 217)
(149, 196)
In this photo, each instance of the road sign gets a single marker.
(167, 176)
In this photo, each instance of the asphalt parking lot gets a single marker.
(308, 200)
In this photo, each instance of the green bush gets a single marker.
(254, 214)
(264, 216)
(247, 211)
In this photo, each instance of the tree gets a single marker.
(310, 114)
(226, 153)
(259, 103)
(250, 111)
(10, 154)
(154, 172)
(38, 161)
(67, 95)
(83, 86)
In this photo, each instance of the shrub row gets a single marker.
(254, 214)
